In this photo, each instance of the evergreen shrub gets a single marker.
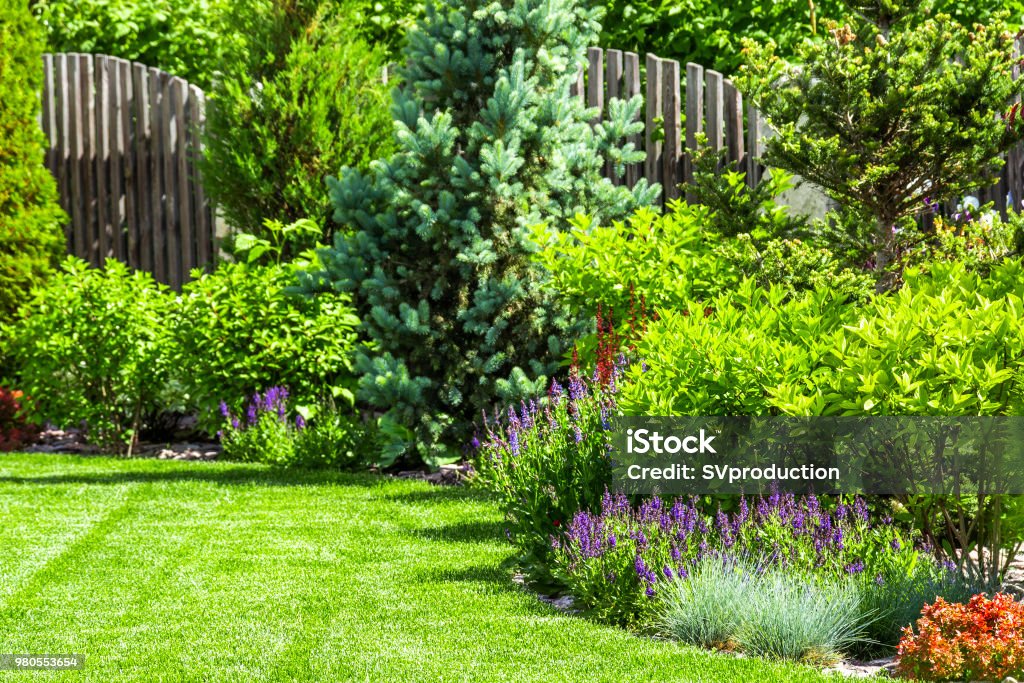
(31, 237)
(438, 260)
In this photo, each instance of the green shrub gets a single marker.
(239, 330)
(281, 120)
(950, 342)
(337, 440)
(385, 24)
(439, 260)
(789, 618)
(31, 238)
(729, 355)
(897, 109)
(93, 349)
(667, 260)
(183, 37)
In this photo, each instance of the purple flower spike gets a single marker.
(300, 423)
(224, 412)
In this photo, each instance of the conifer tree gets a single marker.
(31, 238)
(490, 145)
(897, 108)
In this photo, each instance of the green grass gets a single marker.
(166, 571)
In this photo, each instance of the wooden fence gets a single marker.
(680, 104)
(123, 142)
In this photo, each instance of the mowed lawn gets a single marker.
(172, 571)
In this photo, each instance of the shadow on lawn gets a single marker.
(463, 532)
(233, 476)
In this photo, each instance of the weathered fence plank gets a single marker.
(694, 117)
(595, 82)
(653, 143)
(613, 82)
(631, 88)
(672, 111)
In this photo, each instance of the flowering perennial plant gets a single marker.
(265, 433)
(549, 459)
(616, 561)
(980, 640)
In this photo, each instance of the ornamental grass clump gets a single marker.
(790, 618)
(707, 606)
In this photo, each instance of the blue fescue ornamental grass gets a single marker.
(790, 618)
(707, 606)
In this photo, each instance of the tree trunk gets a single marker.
(885, 254)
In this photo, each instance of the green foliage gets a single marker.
(270, 432)
(950, 342)
(711, 33)
(337, 440)
(668, 259)
(490, 143)
(93, 349)
(796, 265)
(385, 23)
(239, 331)
(889, 112)
(753, 342)
(31, 239)
(284, 116)
(735, 207)
(184, 37)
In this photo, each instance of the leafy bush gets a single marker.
(712, 33)
(271, 433)
(31, 239)
(239, 330)
(93, 349)
(866, 114)
(385, 24)
(812, 623)
(751, 344)
(950, 342)
(546, 463)
(279, 123)
(664, 260)
(980, 640)
(617, 561)
(438, 262)
(184, 37)
(15, 431)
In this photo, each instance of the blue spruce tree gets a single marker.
(438, 253)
